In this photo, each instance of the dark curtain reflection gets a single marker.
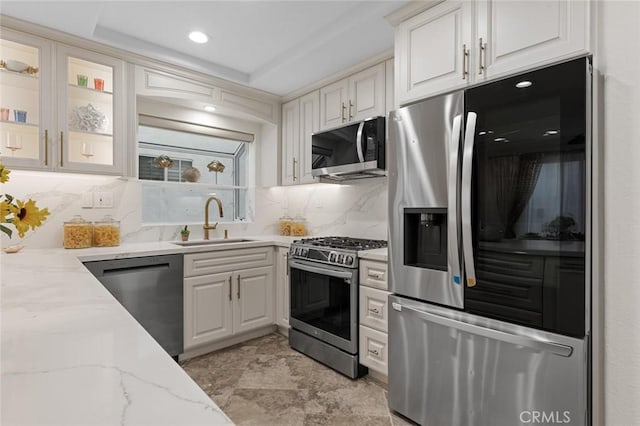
(514, 178)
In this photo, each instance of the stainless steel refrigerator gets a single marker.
(489, 252)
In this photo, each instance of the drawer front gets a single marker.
(373, 350)
(373, 307)
(373, 274)
(227, 260)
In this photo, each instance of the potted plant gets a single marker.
(184, 233)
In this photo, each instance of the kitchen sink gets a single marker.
(211, 242)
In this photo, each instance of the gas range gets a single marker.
(339, 251)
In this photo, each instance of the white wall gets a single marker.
(618, 47)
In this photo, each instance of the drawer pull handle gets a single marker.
(374, 352)
(376, 275)
(374, 310)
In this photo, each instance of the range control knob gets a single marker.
(348, 260)
(305, 252)
(332, 257)
(341, 258)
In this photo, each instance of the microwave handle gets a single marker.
(359, 142)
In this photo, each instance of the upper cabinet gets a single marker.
(457, 43)
(91, 111)
(432, 50)
(300, 119)
(63, 107)
(360, 96)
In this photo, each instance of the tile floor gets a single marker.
(265, 382)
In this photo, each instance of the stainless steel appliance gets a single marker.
(150, 288)
(323, 275)
(488, 252)
(353, 151)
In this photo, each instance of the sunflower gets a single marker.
(4, 211)
(4, 173)
(27, 215)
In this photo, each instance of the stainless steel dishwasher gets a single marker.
(150, 288)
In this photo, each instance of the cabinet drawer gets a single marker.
(373, 274)
(374, 310)
(373, 350)
(226, 260)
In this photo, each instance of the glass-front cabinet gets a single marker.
(90, 109)
(25, 100)
(62, 107)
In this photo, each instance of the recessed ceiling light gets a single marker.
(210, 108)
(198, 37)
(501, 140)
(523, 84)
(551, 132)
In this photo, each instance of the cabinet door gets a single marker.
(91, 112)
(282, 288)
(253, 306)
(430, 51)
(521, 35)
(367, 93)
(333, 104)
(26, 123)
(290, 141)
(207, 309)
(374, 352)
(309, 123)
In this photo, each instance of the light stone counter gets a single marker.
(72, 355)
(375, 254)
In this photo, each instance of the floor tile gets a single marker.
(265, 382)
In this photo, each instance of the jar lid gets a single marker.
(299, 218)
(108, 219)
(77, 219)
(285, 217)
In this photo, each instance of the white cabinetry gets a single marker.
(360, 96)
(282, 289)
(226, 293)
(517, 35)
(457, 43)
(432, 50)
(73, 123)
(374, 316)
(300, 118)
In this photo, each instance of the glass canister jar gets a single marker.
(299, 226)
(285, 225)
(78, 233)
(106, 232)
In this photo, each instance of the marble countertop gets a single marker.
(72, 355)
(380, 254)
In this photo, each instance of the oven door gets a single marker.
(324, 303)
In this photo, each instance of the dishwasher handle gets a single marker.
(140, 268)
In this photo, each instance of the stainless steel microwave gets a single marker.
(353, 151)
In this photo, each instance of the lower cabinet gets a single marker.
(374, 316)
(282, 288)
(219, 305)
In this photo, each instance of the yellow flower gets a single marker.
(4, 211)
(4, 173)
(27, 215)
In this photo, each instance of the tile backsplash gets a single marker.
(356, 209)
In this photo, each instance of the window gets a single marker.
(197, 160)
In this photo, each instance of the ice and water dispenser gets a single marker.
(425, 238)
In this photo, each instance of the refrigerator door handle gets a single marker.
(530, 342)
(359, 142)
(452, 209)
(465, 208)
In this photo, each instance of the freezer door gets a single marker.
(449, 367)
(424, 172)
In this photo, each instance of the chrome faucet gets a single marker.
(206, 226)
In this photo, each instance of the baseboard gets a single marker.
(225, 343)
(378, 377)
(283, 330)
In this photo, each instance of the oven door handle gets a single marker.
(322, 271)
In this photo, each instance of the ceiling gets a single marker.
(276, 46)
